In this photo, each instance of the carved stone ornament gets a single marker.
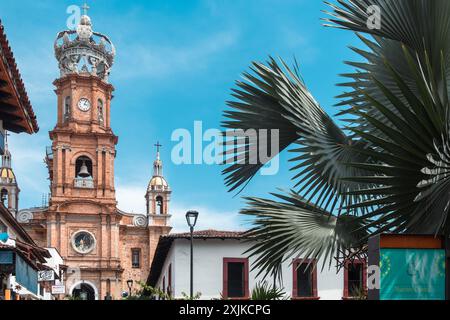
(24, 216)
(84, 51)
(140, 221)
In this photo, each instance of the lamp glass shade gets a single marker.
(191, 218)
(130, 283)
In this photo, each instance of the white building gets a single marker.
(222, 270)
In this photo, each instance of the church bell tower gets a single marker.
(82, 219)
(83, 142)
(9, 190)
(158, 191)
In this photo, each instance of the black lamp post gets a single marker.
(191, 218)
(130, 286)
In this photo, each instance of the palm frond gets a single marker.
(407, 201)
(423, 27)
(277, 98)
(296, 228)
(258, 107)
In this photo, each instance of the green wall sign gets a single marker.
(412, 274)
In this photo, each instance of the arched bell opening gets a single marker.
(159, 205)
(83, 173)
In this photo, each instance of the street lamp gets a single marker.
(130, 285)
(191, 218)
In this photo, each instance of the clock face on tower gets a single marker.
(84, 104)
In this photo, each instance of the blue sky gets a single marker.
(176, 63)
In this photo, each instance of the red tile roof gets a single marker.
(209, 234)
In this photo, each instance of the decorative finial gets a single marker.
(6, 157)
(73, 50)
(157, 164)
(85, 8)
(6, 139)
(158, 146)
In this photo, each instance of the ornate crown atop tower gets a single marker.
(84, 51)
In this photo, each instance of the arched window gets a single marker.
(100, 111)
(159, 205)
(4, 197)
(67, 108)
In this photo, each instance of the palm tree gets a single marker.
(386, 170)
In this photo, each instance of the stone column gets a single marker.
(59, 169)
(114, 238)
(107, 171)
(51, 230)
(108, 111)
(104, 237)
(68, 181)
(64, 240)
(100, 185)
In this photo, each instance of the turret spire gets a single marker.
(6, 157)
(158, 191)
(157, 164)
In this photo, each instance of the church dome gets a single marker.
(158, 183)
(7, 175)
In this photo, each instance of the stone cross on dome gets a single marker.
(85, 8)
(157, 164)
(158, 147)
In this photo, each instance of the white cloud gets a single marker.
(131, 199)
(159, 61)
(209, 218)
(28, 153)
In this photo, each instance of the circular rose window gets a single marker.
(83, 242)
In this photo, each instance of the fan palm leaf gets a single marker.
(387, 170)
(276, 97)
(294, 227)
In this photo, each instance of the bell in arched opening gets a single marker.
(84, 172)
(83, 168)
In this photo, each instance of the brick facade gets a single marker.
(90, 206)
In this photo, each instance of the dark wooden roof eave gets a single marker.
(15, 87)
(17, 227)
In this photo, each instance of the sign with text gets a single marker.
(46, 275)
(58, 290)
(412, 274)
